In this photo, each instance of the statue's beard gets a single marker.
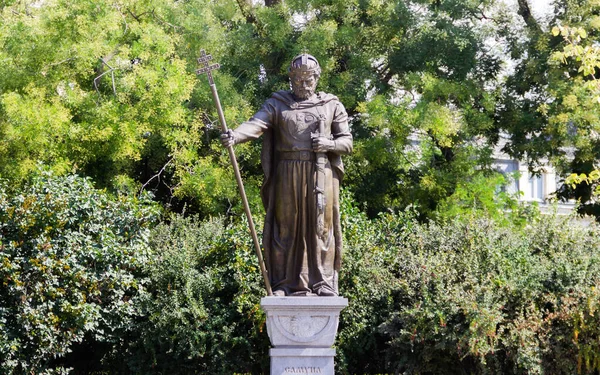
(303, 93)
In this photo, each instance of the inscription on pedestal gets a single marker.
(303, 370)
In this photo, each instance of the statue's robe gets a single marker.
(299, 261)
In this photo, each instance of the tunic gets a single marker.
(299, 261)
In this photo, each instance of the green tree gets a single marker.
(413, 73)
(108, 90)
(550, 104)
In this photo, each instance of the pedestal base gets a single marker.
(287, 361)
(302, 331)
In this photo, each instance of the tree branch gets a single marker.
(136, 16)
(175, 27)
(124, 18)
(244, 5)
(157, 176)
(525, 12)
(61, 62)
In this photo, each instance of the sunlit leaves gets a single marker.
(103, 88)
(551, 108)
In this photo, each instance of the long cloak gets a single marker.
(299, 261)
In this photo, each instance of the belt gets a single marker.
(296, 155)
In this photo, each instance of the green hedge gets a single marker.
(464, 296)
(70, 257)
(472, 297)
(200, 312)
(82, 275)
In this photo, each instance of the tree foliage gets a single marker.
(108, 90)
(550, 104)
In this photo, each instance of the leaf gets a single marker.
(555, 31)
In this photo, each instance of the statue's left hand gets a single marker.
(322, 144)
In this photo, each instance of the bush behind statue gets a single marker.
(200, 312)
(463, 296)
(468, 295)
(71, 257)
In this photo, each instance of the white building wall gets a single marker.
(539, 188)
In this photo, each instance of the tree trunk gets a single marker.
(270, 3)
(525, 12)
(246, 9)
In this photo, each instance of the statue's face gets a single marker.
(304, 85)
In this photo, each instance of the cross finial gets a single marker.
(203, 61)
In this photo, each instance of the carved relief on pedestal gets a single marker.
(303, 328)
(303, 321)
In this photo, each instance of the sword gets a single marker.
(203, 61)
(321, 161)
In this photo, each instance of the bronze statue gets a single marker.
(304, 134)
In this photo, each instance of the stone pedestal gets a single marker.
(302, 331)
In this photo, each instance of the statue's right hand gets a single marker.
(228, 138)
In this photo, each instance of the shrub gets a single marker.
(469, 295)
(70, 258)
(369, 281)
(485, 299)
(466, 296)
(200, 312)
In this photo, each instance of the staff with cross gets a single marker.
(203, 60)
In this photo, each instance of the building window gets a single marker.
(535, 188)
(509, 169)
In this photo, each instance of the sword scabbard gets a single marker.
(321, 202)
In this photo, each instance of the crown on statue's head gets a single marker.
(304, 64)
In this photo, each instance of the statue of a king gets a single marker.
(304, 134)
